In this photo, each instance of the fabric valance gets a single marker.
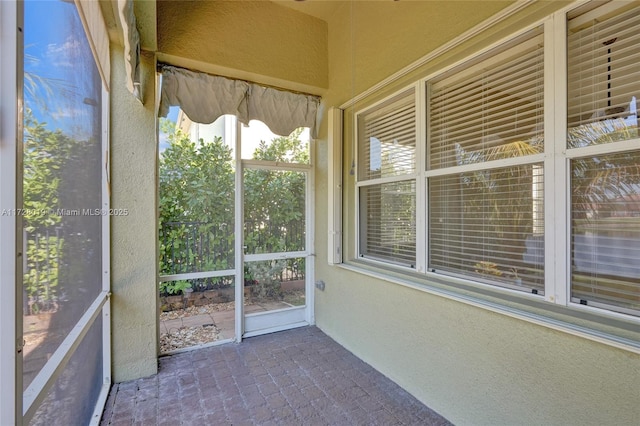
(204, 98)
(131, 47)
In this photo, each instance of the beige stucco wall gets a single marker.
(476, 367)
(370, 40)
(133, 237)
(471, 365)
(257, 37)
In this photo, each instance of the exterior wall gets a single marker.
(251, 36)
(474, 366)
(471, 365)
(133, 237)
(369, 41)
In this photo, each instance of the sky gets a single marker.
(251, 135)
(162, 137)
(59, 61)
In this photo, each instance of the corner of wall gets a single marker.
(133, 154)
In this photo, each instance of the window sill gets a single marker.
(617, 330)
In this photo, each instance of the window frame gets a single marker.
(556, 302)
(506, 48)
(570, 154)
(22, 405)
(11, 45)
(409, 90)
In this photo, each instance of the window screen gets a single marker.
(387, 222)
(488, 224)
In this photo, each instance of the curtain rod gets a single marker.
(160, 65)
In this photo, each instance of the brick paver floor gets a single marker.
(294, 377)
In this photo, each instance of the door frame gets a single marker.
(249, 325)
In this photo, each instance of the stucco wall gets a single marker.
(369, 41)
(471, 365)
(258, 37)
(477, 367)
(133, 237)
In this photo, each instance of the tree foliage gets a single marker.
(197, 184)
(59, 173)
(274, 201)
(196, 203)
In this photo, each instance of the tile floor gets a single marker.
(295, 377)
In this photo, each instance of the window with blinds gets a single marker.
(387, 139)
(488, 223)
(603, 56)
(490, 110)
(605, 229)
(498, 204)
(482, 224)
(387, 222)
(386, 180)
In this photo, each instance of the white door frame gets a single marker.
(16, 406)
(268, 322)
(11, 43)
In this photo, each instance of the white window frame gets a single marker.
(527, 160)
(564, 156)
(16, 406)
(415, 177)
(10, 333)
(555, 158)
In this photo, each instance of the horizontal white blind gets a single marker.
(489, 225)
(603, 75)
(388, 222)
(605, 246)
(387, 139)
(490, 110)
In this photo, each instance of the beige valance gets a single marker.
(204, 98)
(131, 47)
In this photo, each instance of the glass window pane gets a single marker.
(603, 75)
(259, 143)
(388, 222)
(197, 190)
(274, 211)
(491, 109)
(62, 183)
(605, 230)
(387, 139)
(489, 225)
